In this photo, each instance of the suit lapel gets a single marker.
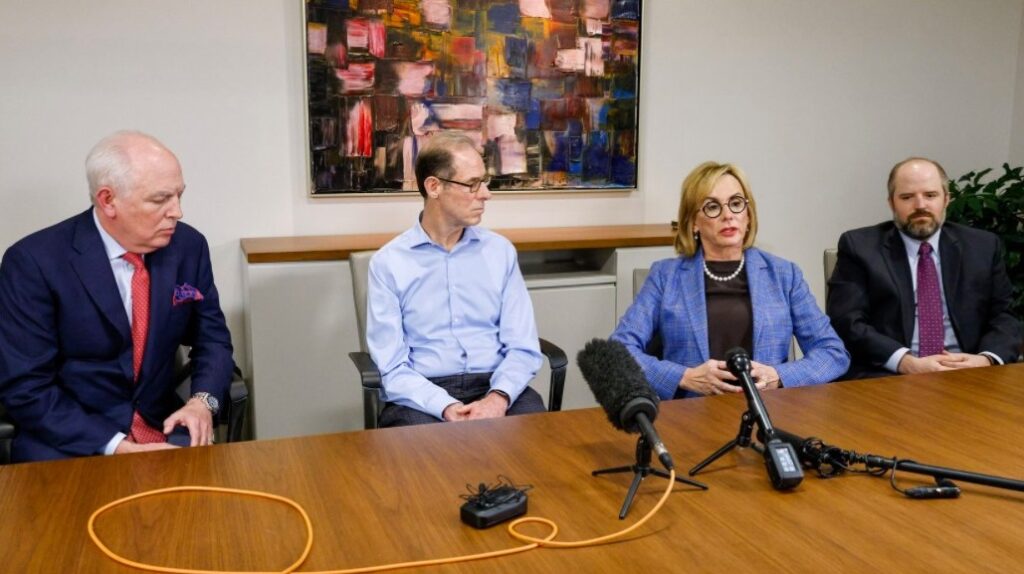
(758, 299)
(950, 256)
(895, 257)
(162, 265)
(93, 269)
(696, 308)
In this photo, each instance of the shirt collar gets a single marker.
(914, 245)
(110, 245)
(419, 235)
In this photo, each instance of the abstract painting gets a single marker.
(548, 89)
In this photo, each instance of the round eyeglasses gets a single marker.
(713, 209)
(473, 184)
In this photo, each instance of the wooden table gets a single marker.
(392, 495)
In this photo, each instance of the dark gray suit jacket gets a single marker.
(871, 296)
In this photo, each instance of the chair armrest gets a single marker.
(233, 412)
(369, 374)
(558, 363)
(554, 353)
(369, 377)
(238, 399)
(7, 432)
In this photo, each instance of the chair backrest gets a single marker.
(829, 261)
(639, 276)
(359, 264)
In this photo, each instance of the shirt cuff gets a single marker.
(893, 363)
(994, 357)
(436, 404)
(114, 443)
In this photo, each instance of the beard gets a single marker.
(920, 229)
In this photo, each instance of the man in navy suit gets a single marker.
(918, 294)
(93, 310)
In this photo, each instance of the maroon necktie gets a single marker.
(930, 332)
(141, 432)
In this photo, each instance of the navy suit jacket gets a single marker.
(66, 347)
(672, 302)
(871, 295)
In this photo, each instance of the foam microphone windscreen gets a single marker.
(618, 383)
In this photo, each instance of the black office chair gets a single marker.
(6, 436)
(230, 423)
(369, 374)
(232, 416)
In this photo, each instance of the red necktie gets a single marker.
(141, 432)
(930, 332)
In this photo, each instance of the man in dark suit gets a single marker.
(917, 294)
(93, 310)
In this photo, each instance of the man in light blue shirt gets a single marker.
(449, 321)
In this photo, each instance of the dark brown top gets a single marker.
(730, 315)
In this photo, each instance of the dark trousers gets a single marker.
(467, 388)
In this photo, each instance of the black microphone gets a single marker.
(738, 363)
(813, 453)
(620, 387)
(780, 457)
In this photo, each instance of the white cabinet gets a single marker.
(569, 316)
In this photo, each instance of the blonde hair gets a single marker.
(696, 188)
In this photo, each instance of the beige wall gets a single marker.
(1017, 141)
(814, 99)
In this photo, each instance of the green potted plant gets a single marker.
(997, 206)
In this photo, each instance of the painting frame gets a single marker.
(552, 98)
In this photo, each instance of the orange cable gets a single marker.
(532, 542)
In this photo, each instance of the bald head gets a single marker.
(917, 167)
(136, 185)
(114, 162)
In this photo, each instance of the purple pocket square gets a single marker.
(185, 293)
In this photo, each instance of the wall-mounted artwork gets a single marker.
(549, 89)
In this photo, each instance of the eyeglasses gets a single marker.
(473, 185)
(713, 209)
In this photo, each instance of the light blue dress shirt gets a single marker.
(123, 272)
(434, 313)
(949, 340)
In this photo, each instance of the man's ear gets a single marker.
(433, 186)
(105, 202)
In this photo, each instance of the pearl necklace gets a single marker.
(728, 277)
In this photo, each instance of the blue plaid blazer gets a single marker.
(672, 302)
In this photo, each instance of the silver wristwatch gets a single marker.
(209, 401)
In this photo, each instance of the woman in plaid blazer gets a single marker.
(721, 292)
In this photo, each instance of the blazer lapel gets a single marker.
(895, 257)
(950, 256)
(93, 269)
(758, 299)
(162, 266)
(693, 298)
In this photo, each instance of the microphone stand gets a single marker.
(640, 470)
(816, 454)
(742, 440)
